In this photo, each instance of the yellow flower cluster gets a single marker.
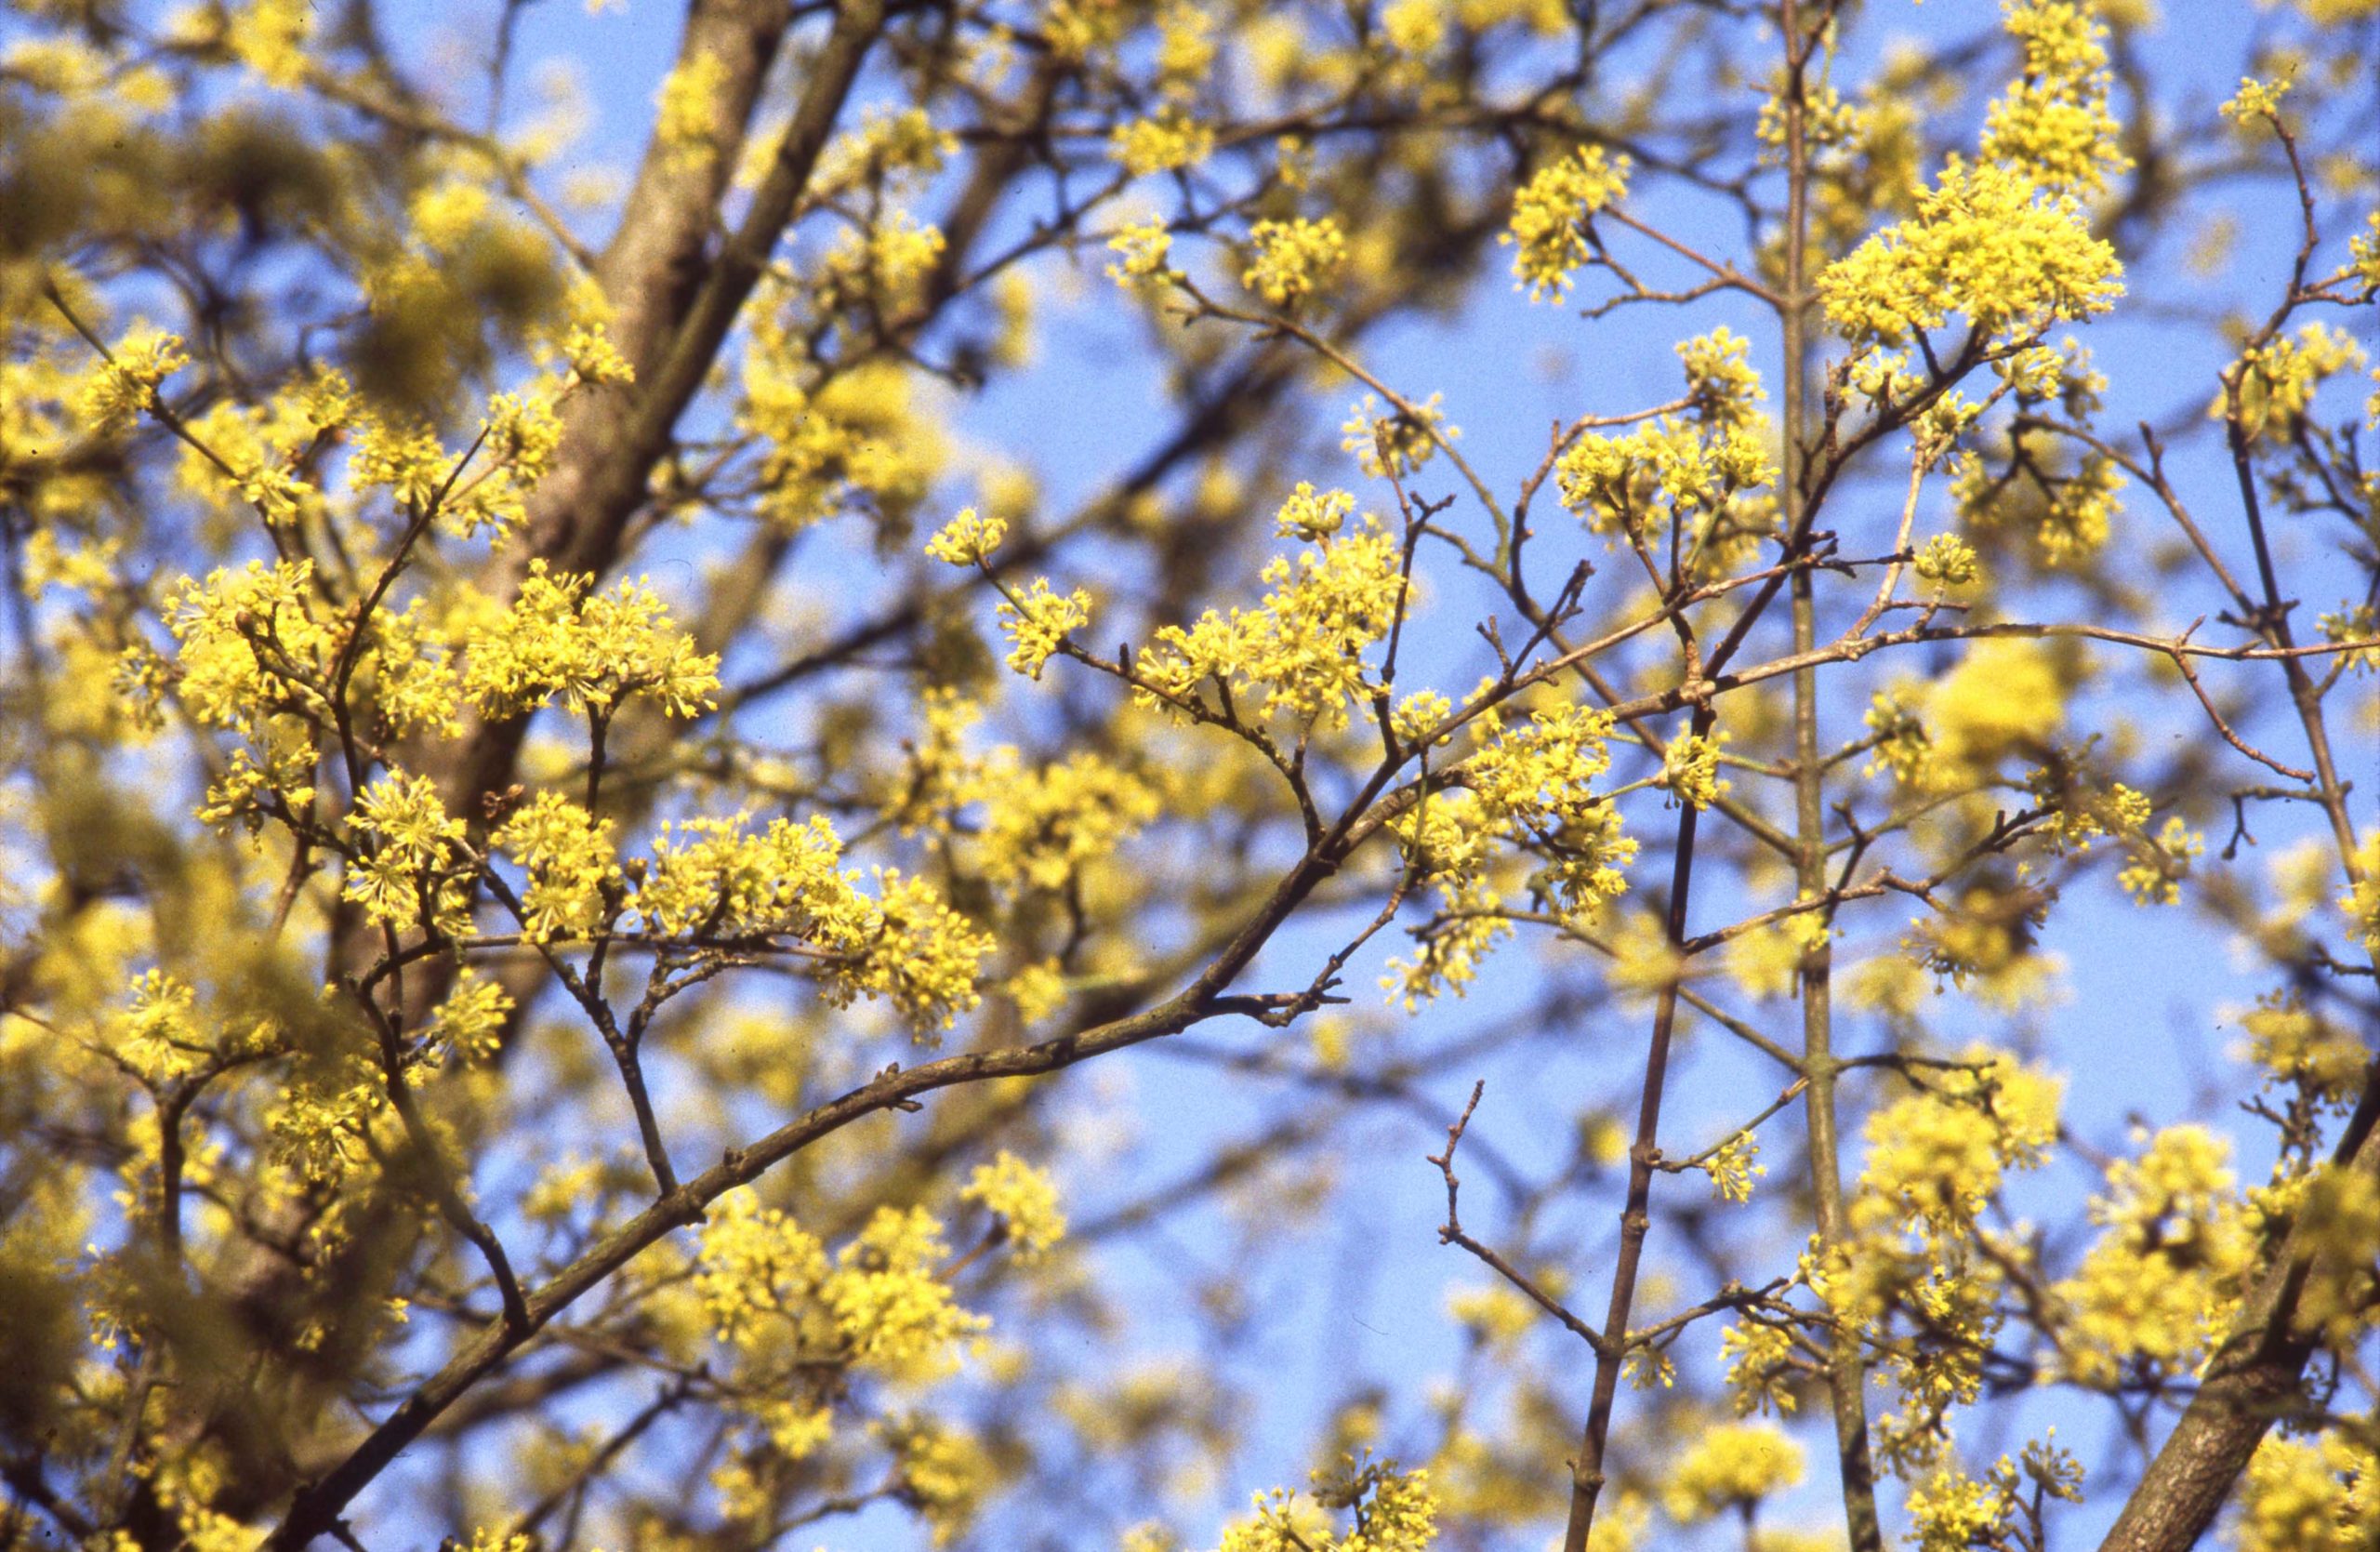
(1024, 1201)
(1766, 960)
(1982, 941)
(2069, 514)
(2005, 242)
(404, 458)
(2053, 122)
(1760, 1361)
(1532, 783)
(1676, 467)
(1142, 249)
(1497, 1312)
(687, 121)
(2362, 900)
(2006, 697)
(1302, 650)
(320, 1127)
(1038, 620)
(1389, 445)
(1990, 241)
(1690, 769)
(1953, 1512)
(715, 879)
(1733, 1166)
(885, 263)
(1552, 214)
(1414, 28)
(269, 36)
(1042, 826)
(1077, 28)
(594, 652)
(856, 434)
(569, 860)
(715, 874)
(1394, 1510)
(123, 386)
(966, 540)
(229, 626)
(158, 1034)
(443, 213)
(888, 1301)
(1534, 780)
(2294, 1044)
(1185, 50)
(1728, 1465)
(1937, 1157)
(2277, 381)
(944, 1470)
(259, 445)
(880, 1305)
(2366, 248)
(2318, 1494)
(1911, 1246)
(2159, 1286)
(2084, 810)
(1293, 257)
(1167, 143)
(2255, 99)
(2153, 876)
(469, 1021)
(1947, 561)
(2336, 1209)
(484, 1539)
(902, 145)
(414, 859)
(1311, 517)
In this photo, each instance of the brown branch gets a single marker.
(1451, 1232)
(1587, 1475)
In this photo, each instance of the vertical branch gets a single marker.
(1846, 1378)
(1587, 1476)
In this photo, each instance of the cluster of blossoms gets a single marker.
(800, 1327)
(2158, 1287)
(1394, 1510)
(853, 433)
(1914, 1247)
(2054, 119)
(1682, 469)
(594, 651)
(1987, 242)
(125, 384)
(1293, 259)
(1300, 653)
(2277, 381)
(1731, 1466)
(1167, 142)
(2005, 240)
(2318, 1494)
(2007, 696)
(1142, 249)
(1551, 216)
(713, 878)
(1388, 446)
(1531, 784)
